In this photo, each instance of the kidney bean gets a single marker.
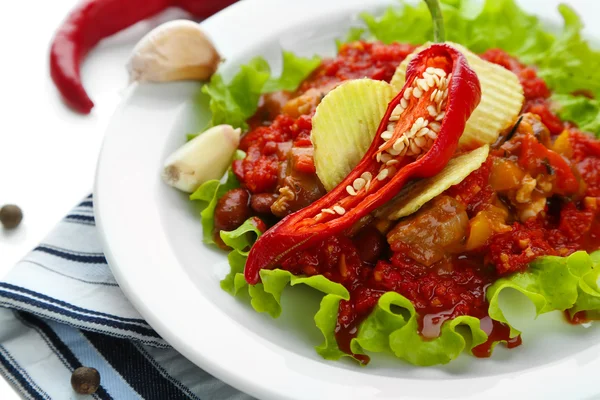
(370, 243)
(261, 203)
(232, 210)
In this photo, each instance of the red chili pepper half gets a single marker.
(416, 138)
(94, 20)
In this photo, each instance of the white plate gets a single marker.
(152, 237)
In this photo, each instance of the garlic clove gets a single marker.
(203, 158)
(176, 50)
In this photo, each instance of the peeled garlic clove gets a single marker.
(203, 158)
(176, 50)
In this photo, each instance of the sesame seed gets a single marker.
(399, 145)
(439, 72)
(340, 210)
(435, 126)
(431, 110)
(328, 211)
(422, 132)
(367, 176)
(422, 83)
(350, 190)
(442, 84)
(387, 135)
(433, 94)
(392, 162)
(440, 116)
(359, 183)
(420, 141)
(407, 93)
(417, 93)
(414, 148)
(385, 158)
(383, 174)
(429, 79)
(403, 102)
(441, 106)
(393, 151)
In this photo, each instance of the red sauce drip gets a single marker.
(576, 319)
(496, 331)
(347, 329)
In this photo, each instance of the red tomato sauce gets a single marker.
(549, 208)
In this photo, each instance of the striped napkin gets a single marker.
(61, 308)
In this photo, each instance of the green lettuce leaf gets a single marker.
(265, 297)
(582, 110)
(210, 192)
(553, 284)
(295, 70)
(355, 33)
(234, 102)
(565, 61)
(393, 326)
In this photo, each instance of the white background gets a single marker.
(47, 152)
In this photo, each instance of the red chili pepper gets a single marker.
(94, 20)
(336, 212)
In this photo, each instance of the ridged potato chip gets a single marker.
(415, 194)
(344, 125)
(501, 97)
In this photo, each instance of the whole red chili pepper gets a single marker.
(94, 20)
(387, 165)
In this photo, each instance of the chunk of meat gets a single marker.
(438, 229)
(300, 186)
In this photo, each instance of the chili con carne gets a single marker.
(403, 148)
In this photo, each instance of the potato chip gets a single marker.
(415, 194)
(501, 97)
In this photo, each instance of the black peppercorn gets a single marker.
(85, 380)
(10, 216)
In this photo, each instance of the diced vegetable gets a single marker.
(344, 126)
(501, 100)
(484, 225)
(415, 195)
(505, 175)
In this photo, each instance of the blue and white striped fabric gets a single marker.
(60, 309)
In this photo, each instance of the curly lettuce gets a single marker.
(234, 102)
(209, 193)
(565, 61)
(553, 284)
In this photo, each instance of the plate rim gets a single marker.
(156, 313)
